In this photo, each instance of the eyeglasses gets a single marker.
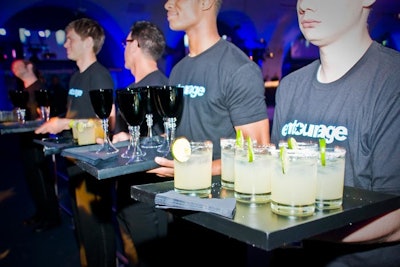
(125, 42)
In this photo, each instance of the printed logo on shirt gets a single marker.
(75, 92)
(329, 132)
(193, 90)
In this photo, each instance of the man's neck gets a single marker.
(85, 63)
(143, 69)
(28, 81)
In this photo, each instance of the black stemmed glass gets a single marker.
(168, 101)
(42, 98)
(19, 99)
(132, 106)
(102, 101)
(150, 141)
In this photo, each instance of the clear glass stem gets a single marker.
(107, 146)
(45, 113)
(21, 115)
(170, 126)
(149, 122)
(134, 152)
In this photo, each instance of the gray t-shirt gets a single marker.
(96, 76)
(223, 88)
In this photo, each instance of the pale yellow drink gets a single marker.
(293, 188)
(330, 180)
(85, 131)
(227, 167)
(193, 177)
(253, 179)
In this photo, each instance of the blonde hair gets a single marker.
(85, 27)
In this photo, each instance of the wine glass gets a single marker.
(102, 101)
(168, 101)
(42, 98)
(132, 106)
(150, 141)
(19, 99)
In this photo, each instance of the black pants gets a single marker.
(92, 203)
(40, 178)
(143, 227)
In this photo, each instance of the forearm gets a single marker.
(382, 229)
(216, 167)
(385, 228)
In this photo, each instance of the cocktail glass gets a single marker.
(150, 141)
(19, 99)
(102, 101)
(168, 101)
(193, 177)
(330, 179)
(253, 176)
(42, 98)
(131, 104)
(227, 159)
(294, 180)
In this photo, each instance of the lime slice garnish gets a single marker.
(292, 143)
(239, 138)
(71, 123)
(80, 126)
(250, 151)
(180, 149)
(322, 151)
(284, 158)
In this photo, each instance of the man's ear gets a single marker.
(207, 4)
(89, 42)
(368, 3)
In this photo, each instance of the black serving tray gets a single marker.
(109, 166)
(17, 127)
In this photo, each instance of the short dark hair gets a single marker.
(150, 38)
(85, 27)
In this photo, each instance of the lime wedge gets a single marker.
(180, 149)
(284, 158)
(322, 151)
(250, 151)
(239, 138)
(292, 143)
(80, 126)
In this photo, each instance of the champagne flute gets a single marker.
(168, 101)
(132, 106)
(102, 101)
(42, 98)
(19, 99)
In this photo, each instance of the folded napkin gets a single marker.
(171, 199)
(88, 154)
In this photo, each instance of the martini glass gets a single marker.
(168, 101)
(132, 106)
(42, 98)
(19, 99)
(102, 101)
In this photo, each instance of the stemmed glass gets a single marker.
(102, 101)
(132, 106)
(42, 98)
(168, 101)
(19, 99)
(150, 141)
